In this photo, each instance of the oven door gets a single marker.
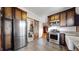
(53, 37)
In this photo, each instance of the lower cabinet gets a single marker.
(62, 39)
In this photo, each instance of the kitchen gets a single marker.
(62, 27)
(66, 22)
(62, 24)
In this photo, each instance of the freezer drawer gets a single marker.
(19, 42)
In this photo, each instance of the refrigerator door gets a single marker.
(20, 34)
(16, 35)
(8, 31)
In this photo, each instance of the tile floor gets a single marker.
(42, 45)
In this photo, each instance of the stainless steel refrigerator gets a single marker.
(20, 34)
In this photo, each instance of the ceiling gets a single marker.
(41, 11)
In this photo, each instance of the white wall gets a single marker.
(40, 29)
(44, 19)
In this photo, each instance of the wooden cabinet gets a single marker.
(17, 14)
(62, 39)
(63, 19)
(24, 15)
(54, 20)
(77, 28)
(20, 15)
(70, 17)
(57, 17)
(8, 12)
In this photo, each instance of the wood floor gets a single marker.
(42, 45)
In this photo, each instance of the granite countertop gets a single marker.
(71, 33)
(74, 37)
(75, 40)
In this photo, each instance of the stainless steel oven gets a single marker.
(54, 37)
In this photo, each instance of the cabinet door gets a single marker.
(77, 28)
(70, 17)
(24, 15)
(17, 14)
(8, 12)
(57, 17)
(52, 18)
(63, 19)
(62, 39)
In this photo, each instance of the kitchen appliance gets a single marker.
(54, 37)
(19, 34)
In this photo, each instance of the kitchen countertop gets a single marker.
(75, 41)
(74, 37)
(71, 33)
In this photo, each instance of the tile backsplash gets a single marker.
(67, 29)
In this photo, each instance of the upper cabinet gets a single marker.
(24, 17)
(20, 15)
(57, 17)
(17, 14)
(63, 19)
(13, 13)
(70, 17)
(8, 12)
(54, 20)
